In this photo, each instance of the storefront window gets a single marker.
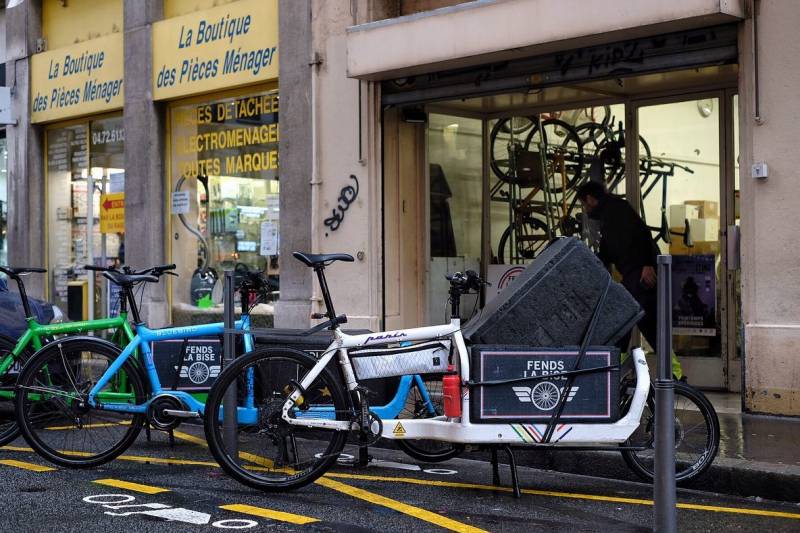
(224, 193)
(533, 197)
(455, 163)
(84, 165)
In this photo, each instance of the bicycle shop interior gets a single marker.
(666, 139)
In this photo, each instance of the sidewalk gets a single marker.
(759, 456)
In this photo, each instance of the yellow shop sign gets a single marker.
(227, 46)
(78, 79)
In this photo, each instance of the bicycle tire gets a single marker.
(73, 363)
(506, 126)
(643, 466)
(575, 152)
(9, 430)
(428, 451)
(270, 425)
(527, 252)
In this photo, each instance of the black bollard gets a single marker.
(666, 514)
(229, 411)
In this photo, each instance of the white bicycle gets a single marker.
(306, 407)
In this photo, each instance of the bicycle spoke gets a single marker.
(61, 425)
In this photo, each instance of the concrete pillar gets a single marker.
(26, 214)
(145, 238)
(770, 240)
(295, 155)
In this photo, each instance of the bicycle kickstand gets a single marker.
(363, 451)
(512, 465)
(495, 469)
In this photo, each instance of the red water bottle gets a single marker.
(451, 390)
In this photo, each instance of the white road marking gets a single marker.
(117, 502)
(134, 505)
(440, 471)
(177, 514)
(235, 523)
(118, 498)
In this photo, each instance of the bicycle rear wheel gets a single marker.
(696, 436)
(428, 451)
(52, 408)
(9, 430)
(271, 454)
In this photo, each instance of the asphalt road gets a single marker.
(155, 487)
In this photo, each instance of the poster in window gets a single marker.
(694, 295)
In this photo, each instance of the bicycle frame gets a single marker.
(145, 336)
(36, 332)
(463, 431)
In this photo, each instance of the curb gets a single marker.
(726, 476)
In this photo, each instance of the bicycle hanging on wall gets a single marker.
(540, 161)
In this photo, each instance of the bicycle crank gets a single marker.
(370, 428)
(166, 412)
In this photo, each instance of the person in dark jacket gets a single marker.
(626, 243)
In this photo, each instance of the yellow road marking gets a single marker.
(27, 466)
(554, 494)
(143, 459)
(362, 494)
(137, 487)
(416, 512)
(269, 513)
(87, 426)
(190, 438)
(452, 484)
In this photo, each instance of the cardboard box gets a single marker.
(678, 213)
(704, 229)
(707, 208)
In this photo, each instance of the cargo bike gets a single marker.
(306, 407)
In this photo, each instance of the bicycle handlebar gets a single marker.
(468, 280)
(95, 268)
(153, 271)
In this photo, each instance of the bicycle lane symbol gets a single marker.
(120, 505)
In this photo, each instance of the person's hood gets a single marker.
(597, 212)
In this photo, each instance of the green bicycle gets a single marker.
(14, 353)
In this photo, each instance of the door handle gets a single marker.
(733, 247)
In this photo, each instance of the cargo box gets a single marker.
(593, 397)
(551, 302)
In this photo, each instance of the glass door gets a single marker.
(683, 199)
(86, 218)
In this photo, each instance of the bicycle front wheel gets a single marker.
(269, 453)
(696, 436)
(9, 430)
(52, 408)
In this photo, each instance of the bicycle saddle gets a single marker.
(128, 280)
(18, 271)
(315, 260)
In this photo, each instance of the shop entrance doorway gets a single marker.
(500, 172)
(692, 136)
(482, 165)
